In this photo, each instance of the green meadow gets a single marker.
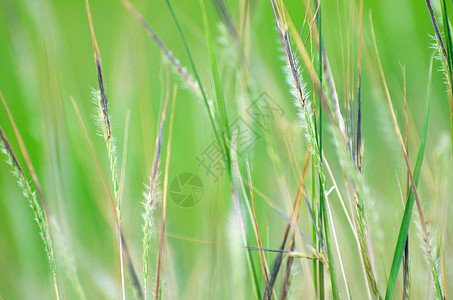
(226, 149)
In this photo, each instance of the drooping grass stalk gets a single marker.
(238, 38)
(164, 201)
(175, 62)
(413, 194)
(41, 216)
(151, 193)
(68, 258)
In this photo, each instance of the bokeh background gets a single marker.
(46, 59)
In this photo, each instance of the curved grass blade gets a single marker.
(197, 77)
(404, 228)
(219, 103)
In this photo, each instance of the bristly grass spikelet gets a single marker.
(101, 100)
(40, 215)
(152, 191)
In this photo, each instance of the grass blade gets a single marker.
(164, 209)
(258, 237)
(219, 103)
(404, 228)
(197, 77)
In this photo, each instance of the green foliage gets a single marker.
(313, 214)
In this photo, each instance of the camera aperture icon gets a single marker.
(186, 190)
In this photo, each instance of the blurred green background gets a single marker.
(46, 58)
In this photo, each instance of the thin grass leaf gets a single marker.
(405, 223)
(217, 132)
(414, 177)
(219, 103)
(312, 137)
(157, 294)
(258, 237)
(406, 272)
(237, 185)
